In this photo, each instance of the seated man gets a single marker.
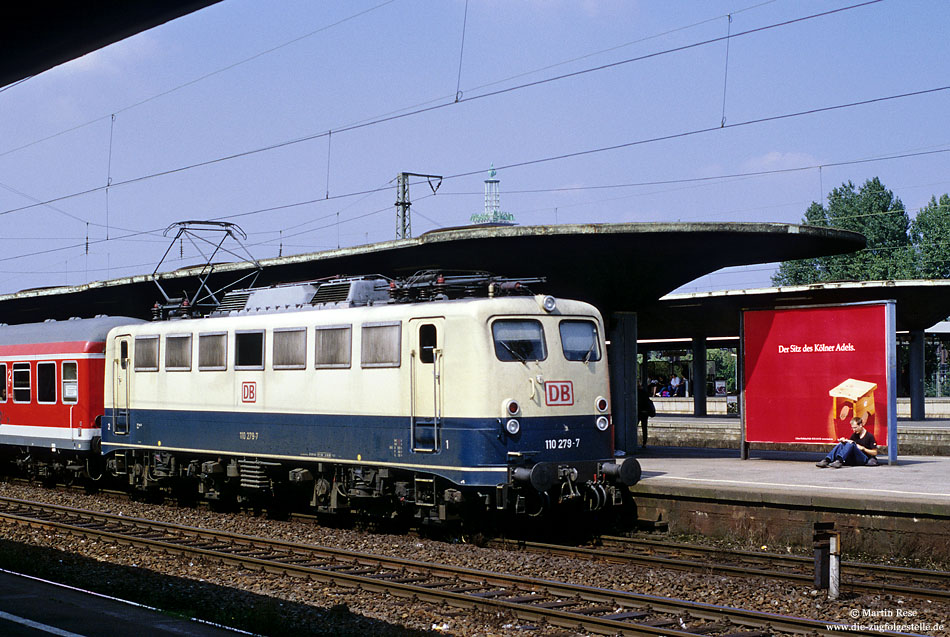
(858, 450)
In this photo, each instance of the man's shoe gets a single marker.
(837, 464)
(872, 462)
(822, 463)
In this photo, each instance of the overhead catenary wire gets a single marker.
(557, 78)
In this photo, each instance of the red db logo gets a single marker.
(249, 392)
(558, 392)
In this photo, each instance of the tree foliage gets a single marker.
(930, 234)
(875, 212)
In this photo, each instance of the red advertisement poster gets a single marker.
(809, 371)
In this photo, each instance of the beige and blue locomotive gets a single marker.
(360, 395)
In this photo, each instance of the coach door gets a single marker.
(425, 369)
(121, 368)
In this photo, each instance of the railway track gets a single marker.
(856, 577)
(562, 604)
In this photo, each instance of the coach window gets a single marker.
(3, 382)
(249, 350)
(333, 346)
(380, 345)
(145, 354)
(178, 353)
(519, 340)
(21, 382)
(579, 341)
(46, 383)
(213, 351)
(290, 348)
(70, 382)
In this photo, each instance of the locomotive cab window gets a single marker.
(249, 350)
(70, 382)
(145, 355)
(519, 340)
(428, 339)
(178, 352)
(333, 347)
(290, 348)
(3, 383)
(21, 382)
(213, 352)
(46, 383)
(579, 341)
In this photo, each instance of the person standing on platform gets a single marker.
(645, 409)
(858, 450)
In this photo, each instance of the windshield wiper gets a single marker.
(516, 355)
(589, 352)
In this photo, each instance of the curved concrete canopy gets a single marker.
(617, 267)
(920, 304)
(36, 36)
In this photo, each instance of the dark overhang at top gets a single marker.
(920, 304)
(617, 267)
(38, 35)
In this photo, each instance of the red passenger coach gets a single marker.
(52, 392)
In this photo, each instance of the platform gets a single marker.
(777, 496)
(30, 606)
(930, 437)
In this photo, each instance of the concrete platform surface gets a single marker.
(915, 485)
(29, 606)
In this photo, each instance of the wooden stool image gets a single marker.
(852, 399)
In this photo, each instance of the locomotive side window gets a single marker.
(46, 383)
(178, 353)
(21, 382)
(3, 383)
(145, 357)
(124, 354)
(381, 345)
(290, 348)
(70, 382)
(333, 347)
(249, 350)
(213, 352)
(427, 343)
(519, 340)
(579, 341)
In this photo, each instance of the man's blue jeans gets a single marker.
(847, 453)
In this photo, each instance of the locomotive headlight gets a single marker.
(549, 303)
(602, 423)
(512, 408)
(601, 404)
(513, 426)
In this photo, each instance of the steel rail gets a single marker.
(558, 603)
(759, 565)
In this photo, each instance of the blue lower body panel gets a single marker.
(466, 451)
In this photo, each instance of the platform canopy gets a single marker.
(37, 35)
(920, 304)
(617, 267)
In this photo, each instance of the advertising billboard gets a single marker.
(808, 371)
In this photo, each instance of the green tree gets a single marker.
(930, 233)
(875, 212)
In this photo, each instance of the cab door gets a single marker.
(121, 370)
(425, 379)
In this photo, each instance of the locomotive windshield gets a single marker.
(579, 341)
(519, 340)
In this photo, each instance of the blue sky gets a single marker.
(196, 101)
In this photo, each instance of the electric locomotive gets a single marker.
(373, 396)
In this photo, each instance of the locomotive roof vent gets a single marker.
(351, 293)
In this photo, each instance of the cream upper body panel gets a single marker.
(470, 378)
